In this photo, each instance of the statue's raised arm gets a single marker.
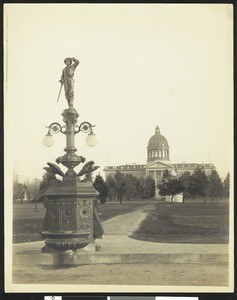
(67, 79)
(76, 63)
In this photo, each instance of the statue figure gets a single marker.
(67, 79)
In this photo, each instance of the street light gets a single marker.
(48, 140)
(91, 139)
(85, 127)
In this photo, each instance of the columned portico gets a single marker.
(156, 170)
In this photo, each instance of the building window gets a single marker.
(155, 153)
(159, 153)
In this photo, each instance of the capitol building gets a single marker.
(158, 161)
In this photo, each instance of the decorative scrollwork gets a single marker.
(68, 244)
(85, 211)
(84, 127)
(56, 127)
(68, 217)
(53, 212)
(68, 212)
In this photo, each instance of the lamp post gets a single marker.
(71, 221)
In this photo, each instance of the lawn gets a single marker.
(27, 222)
(190, 222)
(186, 223)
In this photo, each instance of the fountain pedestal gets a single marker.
(71, 221)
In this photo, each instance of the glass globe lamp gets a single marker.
(91, 139)
(48, 140)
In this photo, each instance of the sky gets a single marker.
(141, 65)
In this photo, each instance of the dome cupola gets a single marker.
(158, 148)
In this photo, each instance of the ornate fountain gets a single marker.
(71, 221)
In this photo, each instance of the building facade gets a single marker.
(158, 161)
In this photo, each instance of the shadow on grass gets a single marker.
(192, 223)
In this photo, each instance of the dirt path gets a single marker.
(125, 224)
(123, 274)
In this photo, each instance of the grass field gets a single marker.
(166, 222)
(27, 222)
(186, 223)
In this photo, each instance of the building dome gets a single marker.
(158, 148)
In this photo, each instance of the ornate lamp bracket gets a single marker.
(56, 127)
(84, 127)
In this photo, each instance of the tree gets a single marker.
(100, 185)
(171, 188)
(110, 182)
(185, 180)
(226, 185)
(45, 182)
(198, 184)
(130, 190)
(146, 188)
(166, 175)
(120, 184)
(142, 183)
(150, 188)
(18, 190)
(215, 187)
(139, 189)
(32, 188)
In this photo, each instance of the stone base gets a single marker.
(91, 248)
(47, 249)
(67, 258)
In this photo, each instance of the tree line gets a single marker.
(28, 188)
(126, 186)
(195, 185)
(119, 187)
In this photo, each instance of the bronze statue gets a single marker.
(67, 79)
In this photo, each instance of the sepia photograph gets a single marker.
(118, 148)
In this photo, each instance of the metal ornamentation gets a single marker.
(71, 221)
(85, 212)
(85, 127)
(56, 127)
